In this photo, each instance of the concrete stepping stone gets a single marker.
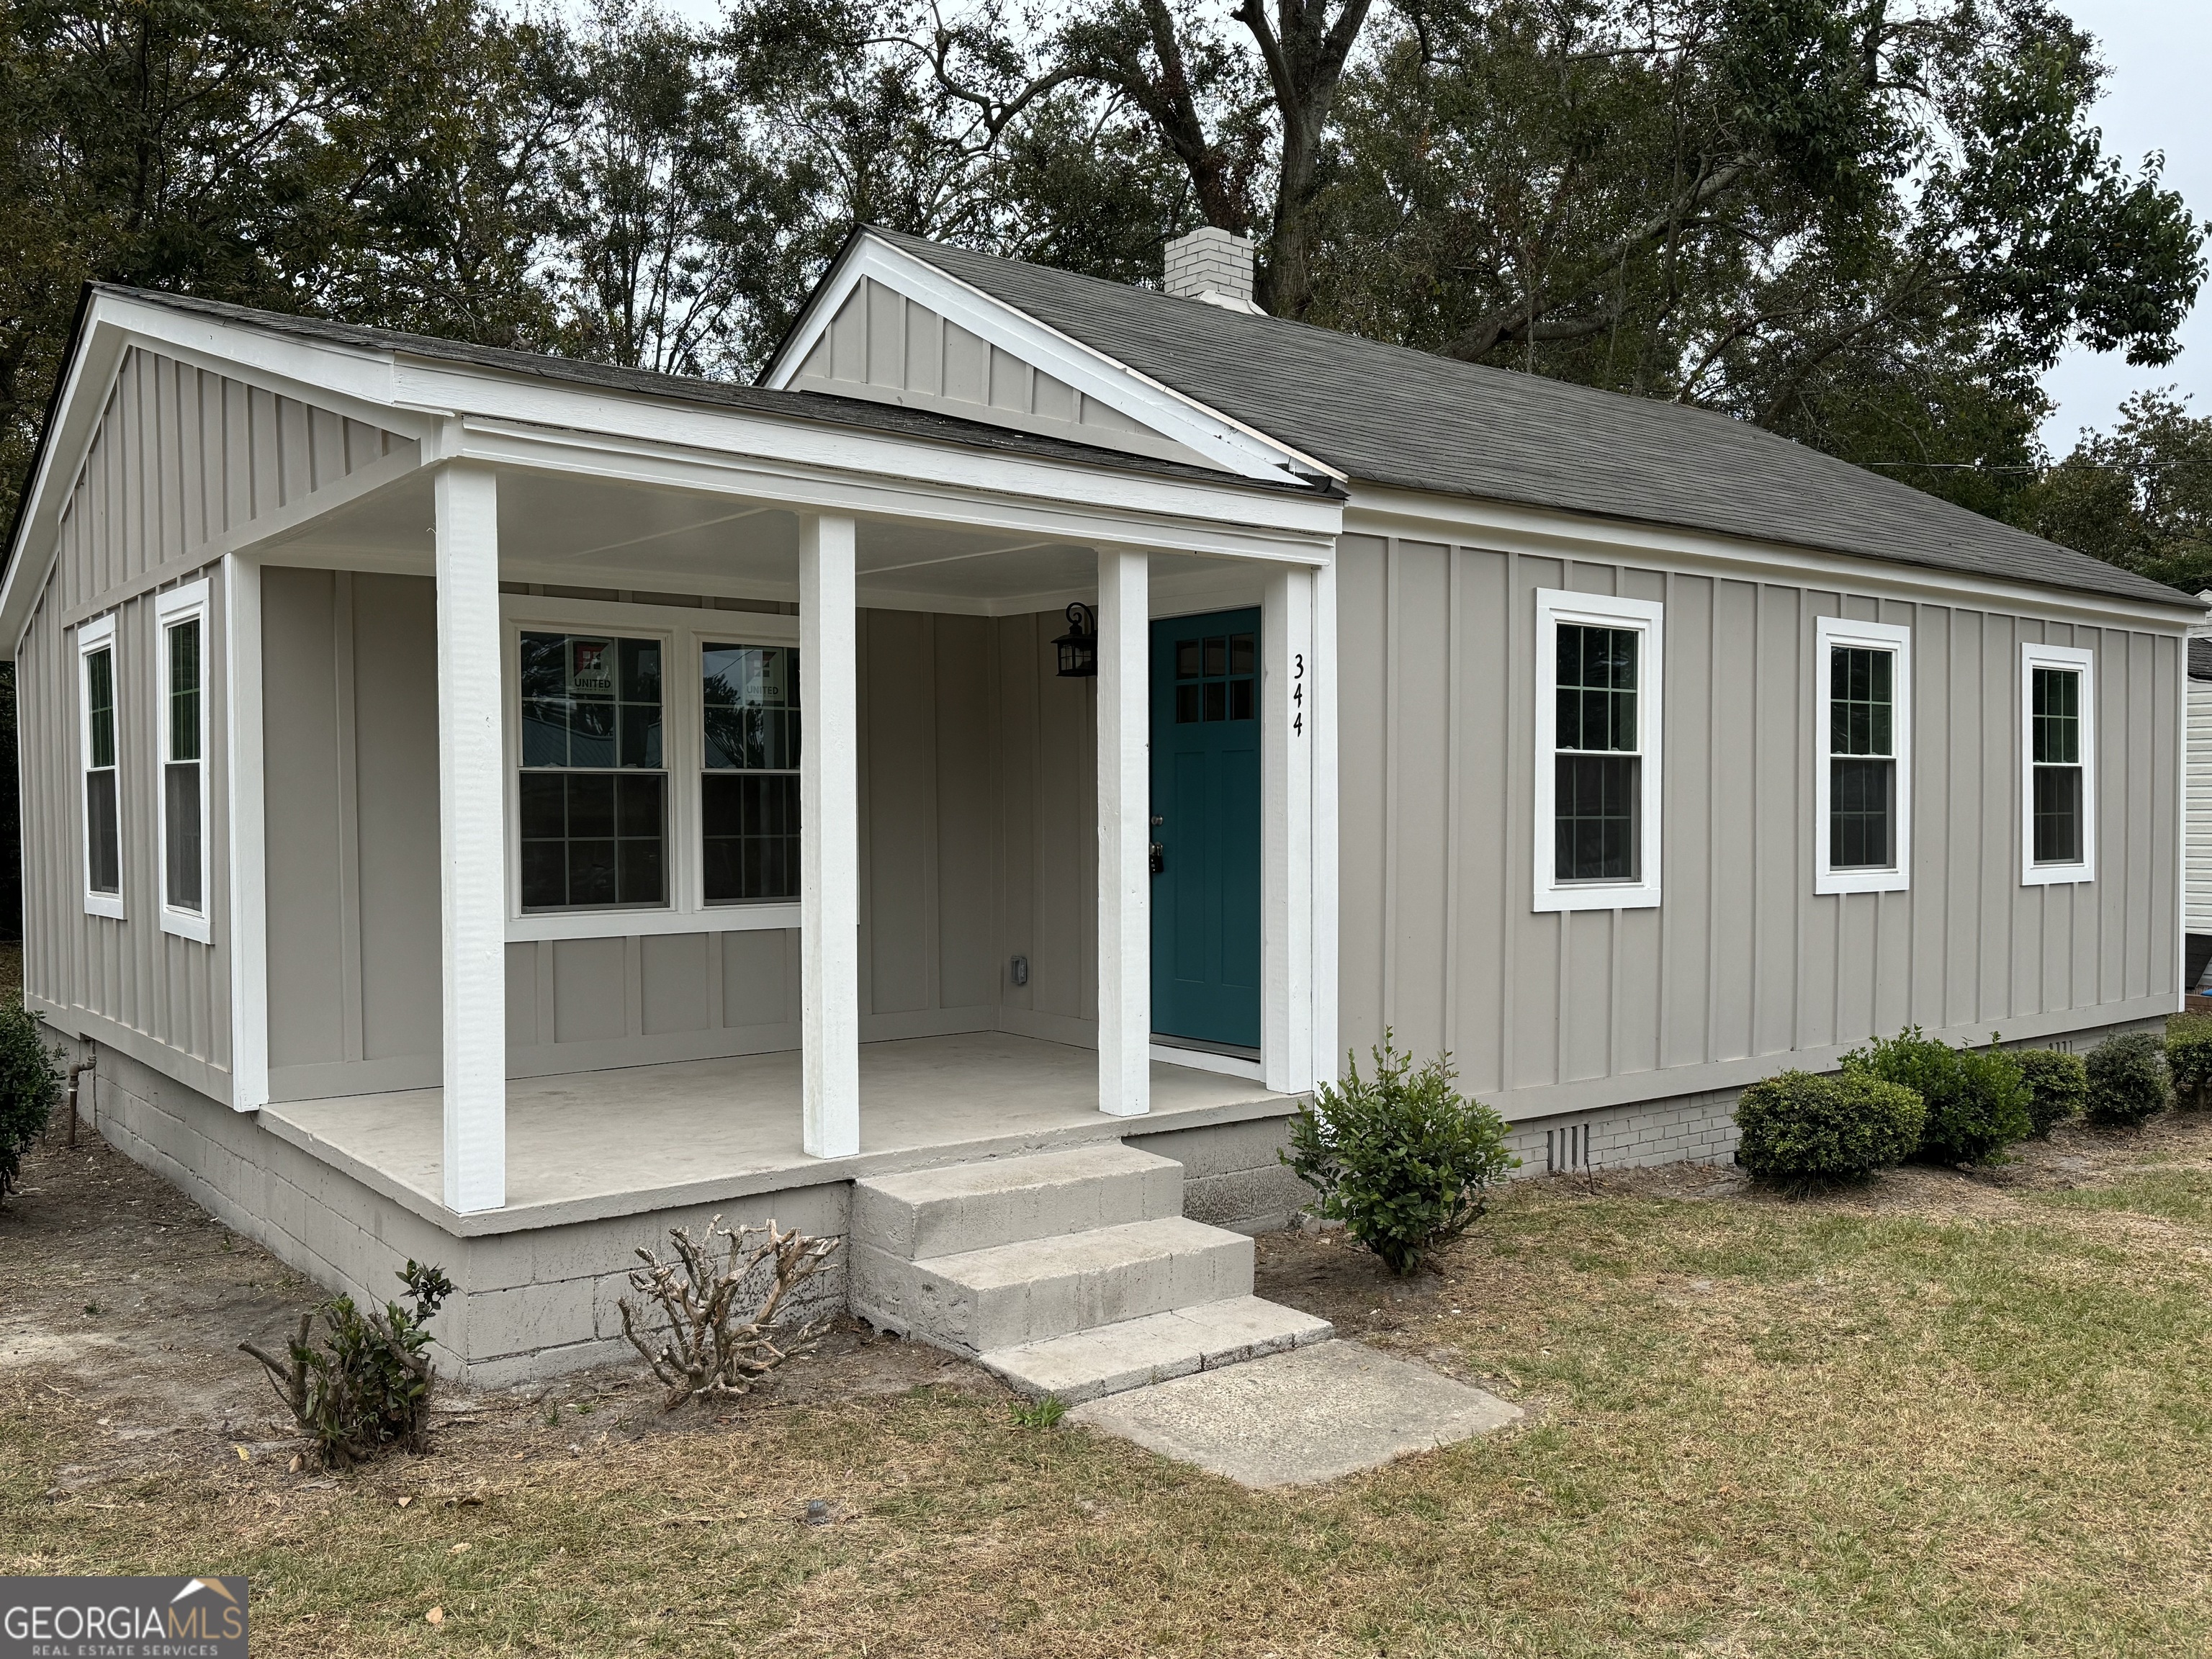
(1300, 1418)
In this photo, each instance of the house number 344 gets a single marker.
(1299, 693)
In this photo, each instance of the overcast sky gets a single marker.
(2159, 52)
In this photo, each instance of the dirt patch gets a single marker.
(122, 1305)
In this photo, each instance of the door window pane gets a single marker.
(749, 795)
(1215, 679)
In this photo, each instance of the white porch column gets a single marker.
(1125, 880)
(472, 837)
(1286, 745)
(1321, 703)
(830, 841)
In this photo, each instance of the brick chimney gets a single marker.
(1213, 266)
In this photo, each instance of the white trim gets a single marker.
(186, 602)
(1327, 881)
(2034, 656)
(246, 834)
(683, 631)
(94, 636)
(1122, 738)
(1152, 403)
(1286, 769)
(829, 840)
(471, 851)
(1554, 606)
(1829, 633)
(1203, 1060)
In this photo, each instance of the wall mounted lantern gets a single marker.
(1078, 646)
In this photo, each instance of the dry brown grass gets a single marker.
(1950, 1415)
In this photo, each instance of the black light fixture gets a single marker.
(1078, 646)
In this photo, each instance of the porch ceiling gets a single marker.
(573, 530)
(586, 1145)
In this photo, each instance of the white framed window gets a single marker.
(180, 718)
(652, 755)
(1599, 668)
(98, 742)
(2057, 764)
(1863, 777)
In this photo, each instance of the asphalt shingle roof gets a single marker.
(1388, 415)
(724, 394)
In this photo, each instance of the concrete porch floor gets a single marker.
(582, 1145)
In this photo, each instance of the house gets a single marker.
(960, 792)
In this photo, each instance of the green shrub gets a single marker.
(2058, 1086)
(1801, 1130)
(2189, 1059)
(2127, 1078)
(1977, 1099)
(1403, 1158)
(369, 1386)
(30, 1084)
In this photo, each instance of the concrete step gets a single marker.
(978, 1301)
(1134, 1352)
(973, 1207)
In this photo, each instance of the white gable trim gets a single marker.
(1161, 409)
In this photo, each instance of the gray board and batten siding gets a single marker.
(1741, 969)
(976, 844)
(180, 460)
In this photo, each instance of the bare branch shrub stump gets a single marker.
(702, 1340)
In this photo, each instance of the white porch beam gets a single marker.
(471, 838)
(1287, 932)
(830, 841)
(1125, 881)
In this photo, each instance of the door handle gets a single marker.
(1159, 859)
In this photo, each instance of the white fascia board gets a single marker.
(1381, 510)
(1158, 407)
(805, 467)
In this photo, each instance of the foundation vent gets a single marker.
(1567, 1148)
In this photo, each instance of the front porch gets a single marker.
(593, 1145)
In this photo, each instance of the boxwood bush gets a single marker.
(1401, 1158)
(2189, 1059)
(1803, 1130)
(2058, 1086)
(30, 1084)
(1977, 1098)
(2127, 1080)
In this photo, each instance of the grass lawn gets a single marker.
(1954, 1415)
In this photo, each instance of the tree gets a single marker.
(2140, 496)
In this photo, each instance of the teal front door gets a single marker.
(1206, 829)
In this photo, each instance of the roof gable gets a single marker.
(1390, 415)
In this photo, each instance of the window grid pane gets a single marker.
(1861, 804)
(103, 865)
(594, 838)
(748, 795)
(100, 702)
(1596, 688)
(590, 700)
(1215, 679)
(181, 818)
(2056, 733)
(2057, 815)
(1861, 702)
(184, 690)
(1595, 808)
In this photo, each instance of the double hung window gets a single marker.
(748, 788)
(103, 858)
(1863, 789)
(180, 722)
(2057, 771)
(1598, 682)
(592, 791)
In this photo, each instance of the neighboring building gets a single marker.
(2197, 906)
(489, 808)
